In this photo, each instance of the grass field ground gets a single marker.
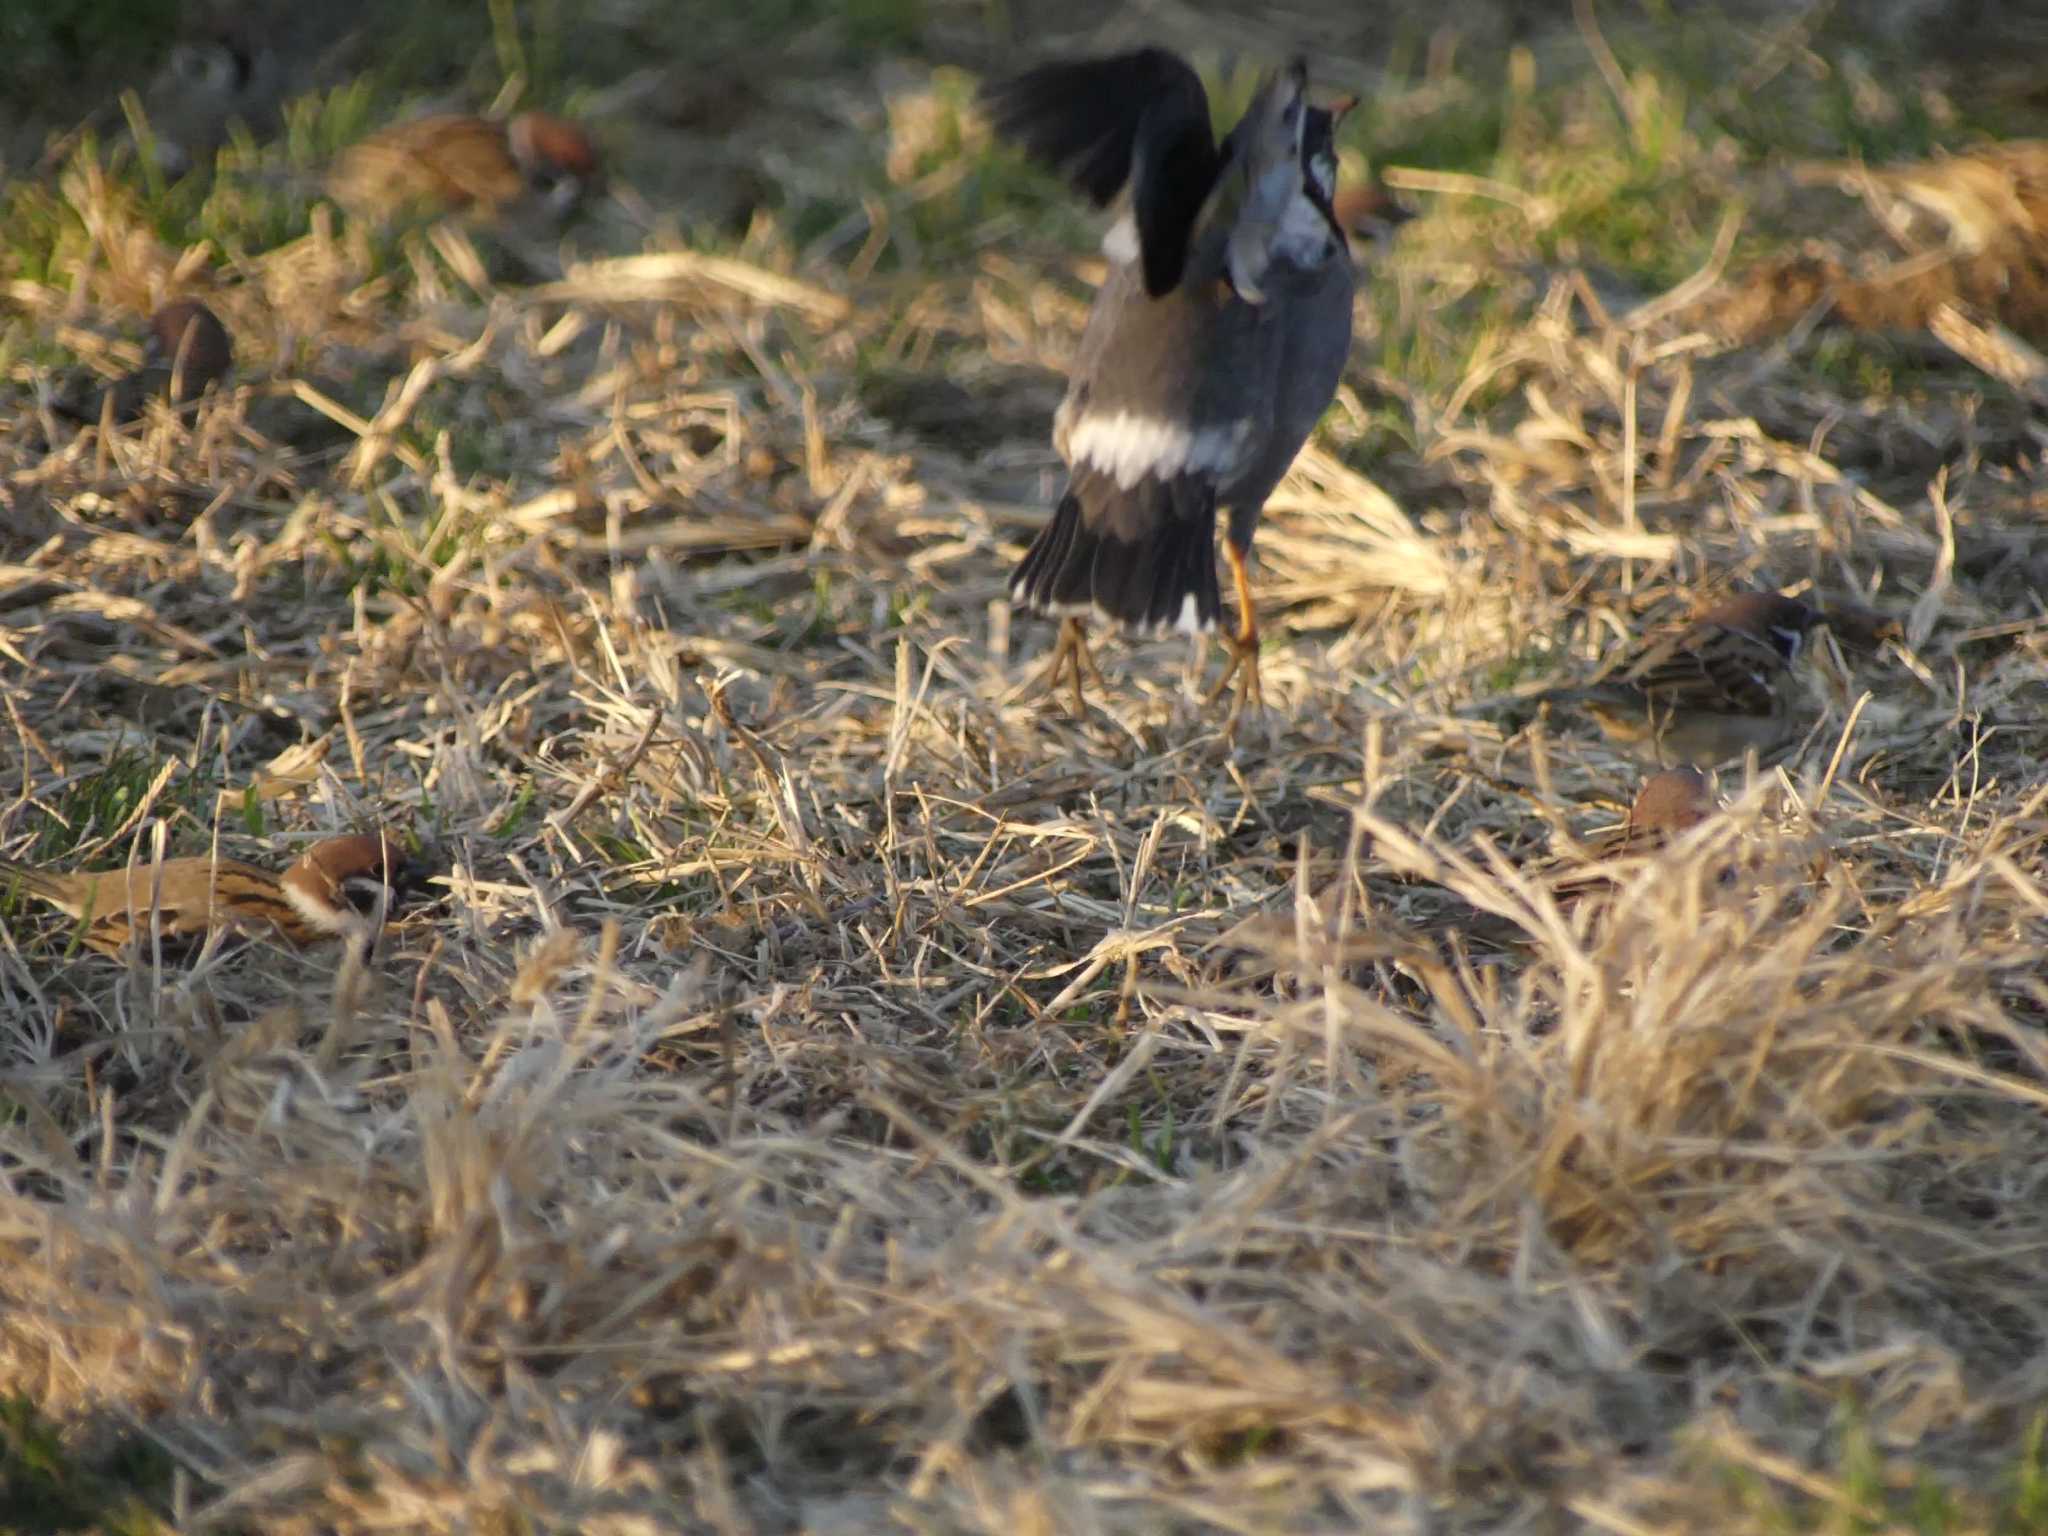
(829, 1090)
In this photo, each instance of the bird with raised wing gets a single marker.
(1212, 349)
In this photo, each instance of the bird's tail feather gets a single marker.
(1161, 578)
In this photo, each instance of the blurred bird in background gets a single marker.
(188, 352)
(531, 170)
(330, 891)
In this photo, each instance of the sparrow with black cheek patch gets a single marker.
(1212, 349)
(329, 891)
(1709, 692)
(1369, 211)
(533, 168)
(337, 885)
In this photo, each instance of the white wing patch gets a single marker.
(1188, 622)
(1128, 446)
(1120, 243)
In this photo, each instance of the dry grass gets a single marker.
(828, 1092)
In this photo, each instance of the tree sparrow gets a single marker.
(1368, 210)
(1984, 196)
(1666, 804)
(188, 352)
(1710, 691)
(535, 164)
(327, 892)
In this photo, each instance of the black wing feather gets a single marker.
(1132, 555)
(1082, 118)
(1175, 164)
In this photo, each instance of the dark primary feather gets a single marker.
(1174, 166)
(1137, 565)
(1083, 118)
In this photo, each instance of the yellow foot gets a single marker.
(1070, 658)
(1244, 668)
(1244, 645)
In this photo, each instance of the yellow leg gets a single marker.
(1244, 645)
(1070, 656)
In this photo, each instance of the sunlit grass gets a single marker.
(822, 1084)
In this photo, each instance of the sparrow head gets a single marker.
(188, 339)
(1368, 210)
(218, 67)
(338, 883)
(1668, 803)
(1782, 623)
(556, 157)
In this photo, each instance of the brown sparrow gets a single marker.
(327, 892)
(188, 352)
(535, 164)
(1667, 804)
(1368, 210)
(1979, 198)
(1710, 691)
